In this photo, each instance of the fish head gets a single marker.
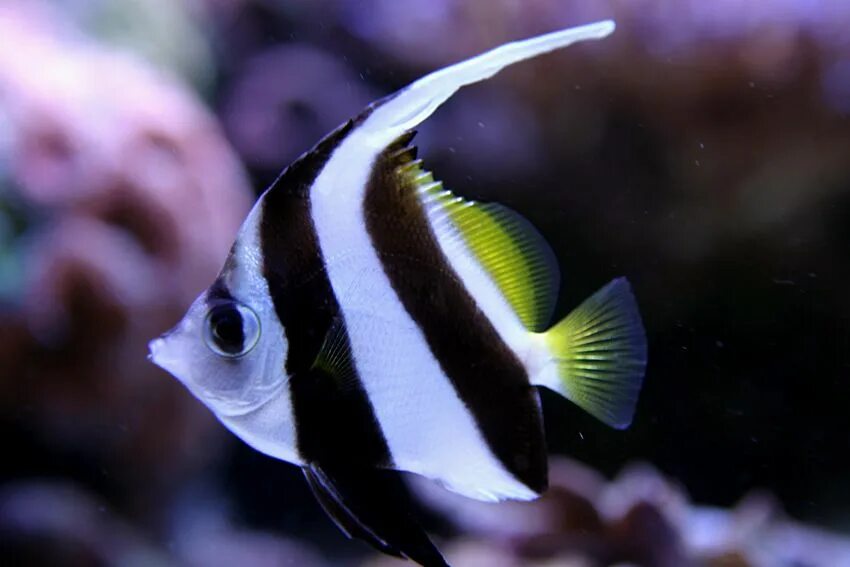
(229, 349)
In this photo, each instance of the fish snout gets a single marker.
(155, 348)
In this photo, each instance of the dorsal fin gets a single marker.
(412, 105)
(508, 247)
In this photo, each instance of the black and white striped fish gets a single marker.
(368, 320)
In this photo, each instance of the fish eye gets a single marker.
(231, 329)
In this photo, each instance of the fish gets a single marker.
(369, 323)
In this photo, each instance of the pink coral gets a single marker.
(136, 197)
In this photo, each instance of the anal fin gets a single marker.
(372, 505)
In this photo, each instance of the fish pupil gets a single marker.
(226, 327)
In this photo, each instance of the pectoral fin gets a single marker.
(334, 358)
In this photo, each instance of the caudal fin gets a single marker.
(599, 354)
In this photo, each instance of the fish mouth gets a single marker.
(221, 404)
(153, 347)
(159, 355)
(157, 352)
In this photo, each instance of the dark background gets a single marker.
(703, 151)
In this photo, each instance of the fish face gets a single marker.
(221, 351)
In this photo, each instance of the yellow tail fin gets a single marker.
(599, 352)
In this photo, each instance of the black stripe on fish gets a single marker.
(331, 421)
(218, 291)
(484, 371)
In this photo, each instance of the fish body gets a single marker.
(368, 320)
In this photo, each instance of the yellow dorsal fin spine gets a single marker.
(507, 246)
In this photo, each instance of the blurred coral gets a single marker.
(640, 518)
(54, 524)
(133, 198)
(273, 118)
(169, 34)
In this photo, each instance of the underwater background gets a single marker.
(702, 151)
